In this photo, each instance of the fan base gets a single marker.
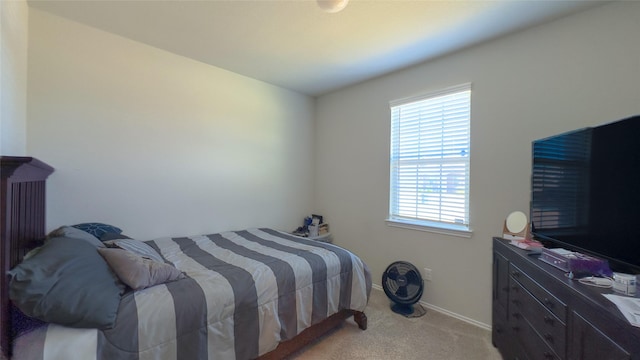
(402, 309)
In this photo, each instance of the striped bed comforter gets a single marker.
(245, 292)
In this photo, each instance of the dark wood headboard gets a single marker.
(22, 223)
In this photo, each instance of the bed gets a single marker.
(254, 293)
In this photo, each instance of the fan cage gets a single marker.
(402, 283)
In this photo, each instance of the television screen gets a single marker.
(585, 193)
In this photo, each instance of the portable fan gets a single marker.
(403, 285)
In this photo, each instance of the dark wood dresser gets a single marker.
(539, 313)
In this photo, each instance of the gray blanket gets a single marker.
(245, 292)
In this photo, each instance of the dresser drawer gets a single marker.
(534, 347)
(500, 280)
(552, 330)
(557, 307)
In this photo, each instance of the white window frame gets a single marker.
(427, 156)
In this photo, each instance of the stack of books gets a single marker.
(323, 229)
(527, 244)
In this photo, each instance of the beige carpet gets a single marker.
(391, 336)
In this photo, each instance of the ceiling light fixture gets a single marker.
(332, 6)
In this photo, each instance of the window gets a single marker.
(429, 161)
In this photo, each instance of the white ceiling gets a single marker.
(295, 45)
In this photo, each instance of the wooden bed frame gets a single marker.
(22, 227)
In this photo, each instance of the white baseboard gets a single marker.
(446, 312)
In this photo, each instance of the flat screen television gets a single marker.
(585, 192)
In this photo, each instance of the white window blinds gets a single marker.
(430, 158)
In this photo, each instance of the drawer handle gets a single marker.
(548, 320)
(548, 355)
(548, 302)
(515, 273)
(548, 337)
(516, 315)
(514, 288)
(515, 302)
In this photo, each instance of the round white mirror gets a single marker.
(517, 222)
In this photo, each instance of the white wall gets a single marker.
(14, 22)
(159, 144)
(578, 71)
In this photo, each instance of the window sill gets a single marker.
(453, 230)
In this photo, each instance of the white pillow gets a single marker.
(137, 247)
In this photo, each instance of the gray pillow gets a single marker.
(71, 232)
(137, 272)
(68, 283)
